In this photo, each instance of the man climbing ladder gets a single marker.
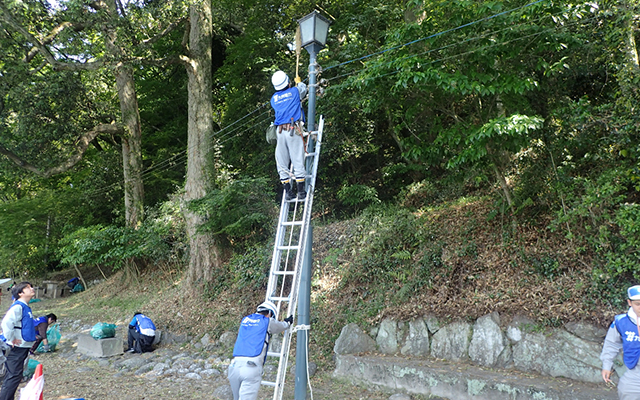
(250, 350)
(286, 103)
(290, 247)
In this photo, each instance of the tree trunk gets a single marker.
(631, 67)
(131, 147)
(503, 184)
(132, 138)
(205, 255)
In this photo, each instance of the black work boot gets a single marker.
(289, 195)
(302, 194)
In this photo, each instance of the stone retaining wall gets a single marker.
(571, 352)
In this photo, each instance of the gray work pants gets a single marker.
(290, 149)
(244, 378)
(629, 385)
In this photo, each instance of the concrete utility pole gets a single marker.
(313, 28)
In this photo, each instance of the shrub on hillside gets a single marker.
(242, 211)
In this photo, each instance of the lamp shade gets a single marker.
(313, 29)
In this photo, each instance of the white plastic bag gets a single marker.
(33, 390)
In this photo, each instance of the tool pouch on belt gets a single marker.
(294, 127)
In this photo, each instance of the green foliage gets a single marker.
(358, 196)
(390, 239)
(546, 266)
(597, 213)
(247, 271)
(159, 239)
(241, 210)
(503, 133)
(623, 247)
(112, 246)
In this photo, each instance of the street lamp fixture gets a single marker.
(313, 36)
(313, 29)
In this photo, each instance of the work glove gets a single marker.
(45, 348)
(297, 80)
(289, 319)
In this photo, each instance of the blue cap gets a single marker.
(634, 292)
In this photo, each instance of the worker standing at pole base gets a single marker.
(250, 350)
(287, 104)
(623, 334)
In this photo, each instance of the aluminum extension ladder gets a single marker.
(288, 256)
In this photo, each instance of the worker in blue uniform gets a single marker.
(289, 120)
(42, 324)
(142, 332)
(250, 350)
(19, 333)
(624, 334)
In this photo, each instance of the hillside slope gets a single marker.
(459, 261)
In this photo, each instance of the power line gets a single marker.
(511, 27)
(436, 34)
(179, 159)
(444, 58)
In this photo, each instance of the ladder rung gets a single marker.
(289, 247)
(292, 223)
(274, 298)
(284, 273)
(278, 276)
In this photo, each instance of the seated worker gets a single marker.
(72, 282)
(142, 331)
(42, 324)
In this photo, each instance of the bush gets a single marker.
(159, 238)
(247, 272)
(597, 213)
(358, 196)
(113, 246)
(242, 211)
(623, 254)
(389, 240)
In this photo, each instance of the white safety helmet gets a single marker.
(268, 306)
(280, 80)
(634, 292)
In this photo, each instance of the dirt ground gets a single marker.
(69, 374)
(480, 274)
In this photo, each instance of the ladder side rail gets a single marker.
(293, 297)
(288, 248)
(277, 254)
(291, 310)
(306, 221)
(285, 348)
(286, 341)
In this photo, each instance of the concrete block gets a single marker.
(91, 347)
(54, 289)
